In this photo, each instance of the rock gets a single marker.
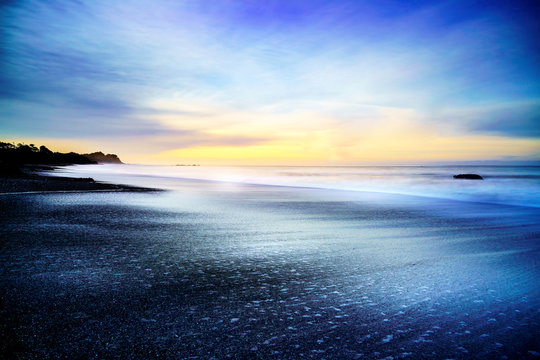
(468, 176)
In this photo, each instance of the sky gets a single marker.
(273, 82)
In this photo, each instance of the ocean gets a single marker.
(513, 185)
(275, 263)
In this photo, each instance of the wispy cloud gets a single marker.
(514, 119)
(196, 70)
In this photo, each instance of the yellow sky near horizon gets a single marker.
(370, 151)
(229, 137)
(316, 149)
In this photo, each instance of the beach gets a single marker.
(38, 182)
(213, 269)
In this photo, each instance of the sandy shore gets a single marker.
(241, 272)
(36, 182)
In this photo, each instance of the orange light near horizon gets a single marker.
(404, 142)
(368, 150)
(253, 155)
(59, 145)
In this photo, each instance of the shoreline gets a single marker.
(33, 181)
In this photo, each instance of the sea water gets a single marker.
(334, 263)
(512, 185)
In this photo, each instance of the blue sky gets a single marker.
(153, 80)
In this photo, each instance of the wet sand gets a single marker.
(210, 271)
(42, 183)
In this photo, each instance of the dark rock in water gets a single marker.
(468, 176)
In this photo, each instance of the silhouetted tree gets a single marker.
(43, 149)
(5, 146)
(30, 154)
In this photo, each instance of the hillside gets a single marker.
(29, 154)
(101, 158)
(14, 158)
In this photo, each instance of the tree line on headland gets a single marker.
(22, 154)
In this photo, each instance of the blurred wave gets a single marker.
(514, 185)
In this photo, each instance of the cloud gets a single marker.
(514, 119)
